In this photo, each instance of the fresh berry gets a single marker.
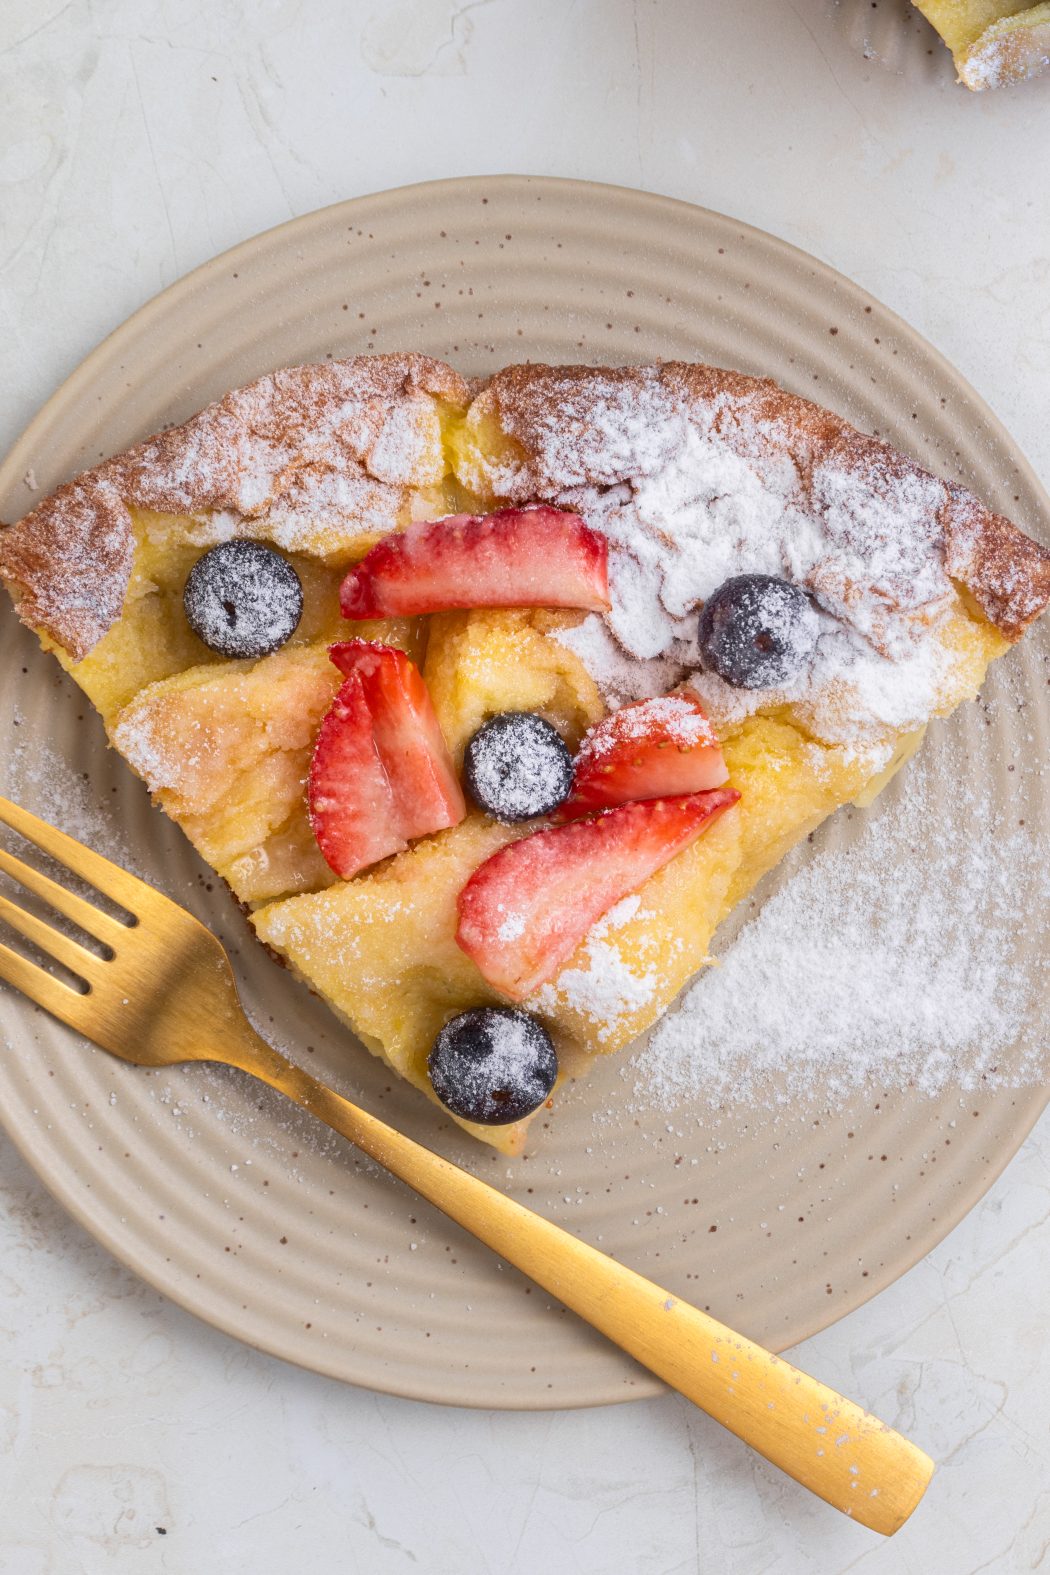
(380, 773)
(757, 631)
(525, 910)
(407, 736)
(654, 749)
(352, 809)
(243, 599)
(517, 766)
(494, 1064)
(536, 557)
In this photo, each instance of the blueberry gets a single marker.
(494, 1064)
(517, 766)
(243, 599)
(757, 631)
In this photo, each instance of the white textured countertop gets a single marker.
(139, 137)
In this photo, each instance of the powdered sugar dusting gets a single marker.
(243, 599)
(494, 1065)
(1006, 52)
(620, 677)
(512, 927)
(691, 493)
(37, 775)
(517, 766)
(607, 988)
(893, 960)
(315, 455)
(678, 722)
(316, 459)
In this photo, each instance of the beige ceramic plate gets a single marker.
(215, 1191)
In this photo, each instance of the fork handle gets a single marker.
(826, 1442)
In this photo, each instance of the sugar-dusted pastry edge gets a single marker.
(1003, 569)
(68, 562)
(990, 54)
(1014, 49)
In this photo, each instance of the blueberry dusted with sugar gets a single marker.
(757, 631)
(243, 599)
(494, 1065)
(517, 766)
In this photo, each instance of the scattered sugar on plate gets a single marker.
(43, 779)
(892, 961)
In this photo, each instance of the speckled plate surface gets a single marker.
(779, 1220)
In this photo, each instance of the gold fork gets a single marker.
(166, 994)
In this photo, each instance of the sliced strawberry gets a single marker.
(407, 736)
(653, 749)
(381, 773)
(352, 809)
(537, 557)
(525, 910)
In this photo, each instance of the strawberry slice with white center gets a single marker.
(381, 774)
(534, 557)
(352, 809)
(407, 735)
(653, 749)
(525, 910)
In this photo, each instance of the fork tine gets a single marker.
(57, 946)
(42, 987)
(107, 877)
(85, 914)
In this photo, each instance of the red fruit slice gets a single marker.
(537, 557)
(407, 736)
(352, 809)
(381, 773)
(654, 749)
(525, 910)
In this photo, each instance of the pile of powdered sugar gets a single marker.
(894, 961)
(693, 511)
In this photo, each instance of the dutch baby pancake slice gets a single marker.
(491, 703)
